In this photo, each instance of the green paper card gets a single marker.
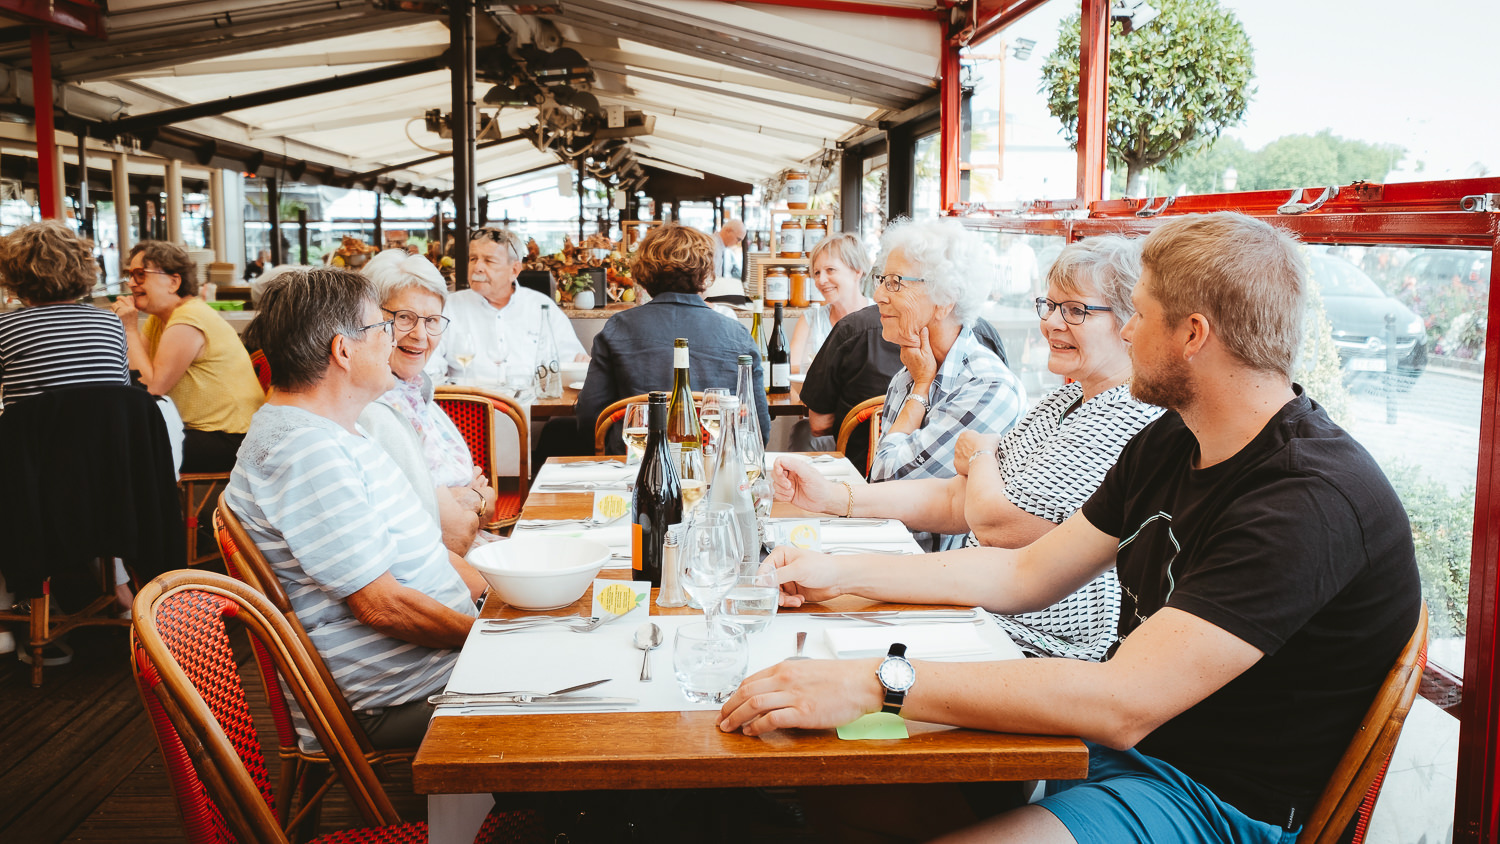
(876, 725)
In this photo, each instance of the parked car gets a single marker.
(1357, 309)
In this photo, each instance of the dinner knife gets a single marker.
(450, 699)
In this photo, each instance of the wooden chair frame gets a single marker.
(487, 454)
(302, 772)
(615, 412)
(44, 627)
(196, 490)
(867, 411)
(213, 755)
(1356, 781)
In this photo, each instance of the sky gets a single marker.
(1419, 75)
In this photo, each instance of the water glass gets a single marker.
(710, 556)
(709, 660)
(751, 603)
(637, 428)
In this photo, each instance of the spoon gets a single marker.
(801, 640)
(647, 637)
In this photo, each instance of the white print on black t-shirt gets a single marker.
(1135, 602)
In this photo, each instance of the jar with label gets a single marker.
(777, 286)
(789, 240)
(813, 232)
(798, 189)
(800, 282)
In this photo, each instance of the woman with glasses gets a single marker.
(929, 292)
(187, 351)
(496, 312)
(1014, 488)
(406, 422)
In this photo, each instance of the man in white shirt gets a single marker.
(496, 320)
(728, 271)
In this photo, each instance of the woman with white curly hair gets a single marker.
(929, 289)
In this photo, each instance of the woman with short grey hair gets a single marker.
(930, 287)
(406, 421)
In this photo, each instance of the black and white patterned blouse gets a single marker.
(1051, 462)
(48, 347)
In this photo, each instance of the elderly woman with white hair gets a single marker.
(929, 295)
(405, 421)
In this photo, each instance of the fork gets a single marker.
(850, 549)
(567, 623)
(591, 522)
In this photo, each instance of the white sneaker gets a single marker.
(7, 642)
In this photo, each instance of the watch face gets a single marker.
(896, 674)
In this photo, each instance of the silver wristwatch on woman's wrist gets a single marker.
(922, 400)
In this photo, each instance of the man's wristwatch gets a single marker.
(897, 675)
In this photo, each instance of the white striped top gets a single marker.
(332, 512)
(51, 346)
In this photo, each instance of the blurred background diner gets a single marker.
(496, 329)
(187, 351)
(1011, 489)
(632, 354)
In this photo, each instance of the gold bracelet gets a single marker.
(849, 509)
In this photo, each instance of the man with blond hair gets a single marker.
(1266, 566)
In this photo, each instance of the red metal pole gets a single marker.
(1093, 98)
(46, 140)
(949, 122)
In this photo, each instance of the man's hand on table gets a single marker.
(805, 576)
(794, 479)
(811, 694)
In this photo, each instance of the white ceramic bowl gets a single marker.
(574, 370)
(539, 572)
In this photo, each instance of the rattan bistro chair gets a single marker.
(189, 682)
(1355, 785)
(473, 412)
(867, 411)
(303, 779)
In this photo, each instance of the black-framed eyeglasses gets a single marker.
(1073, 313)
(384, 325)
(509, 238)
(139, 274)
(407, 320)
(893, 282)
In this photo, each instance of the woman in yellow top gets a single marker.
(188, 352)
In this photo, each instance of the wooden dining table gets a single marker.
(779, 404)
(479, 754)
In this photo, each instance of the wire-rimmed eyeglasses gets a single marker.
(407, 320)
(893, 282)
(384, 325)
(1073, 313)
(139, 274)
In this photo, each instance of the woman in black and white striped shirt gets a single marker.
(54, 341)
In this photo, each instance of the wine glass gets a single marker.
(461, 346)
(711, 552)
(711, 417)
(752, 448)
(498, 354)
(637, 428)
(690, 470)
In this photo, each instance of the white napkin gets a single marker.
(890, 533)
(923, 641)
(564, 473)
(841, 468)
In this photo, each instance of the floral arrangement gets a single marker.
(569, 264)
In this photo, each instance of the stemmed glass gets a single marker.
(461, 346)
(636, 430)
(498, 353)
(711, 553)
(690, 470)
(711, 417)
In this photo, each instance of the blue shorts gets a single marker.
(1132, 797)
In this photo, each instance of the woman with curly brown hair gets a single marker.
(54, 341)
(633, 352)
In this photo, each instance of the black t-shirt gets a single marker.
(856, 363)
(1299, 546)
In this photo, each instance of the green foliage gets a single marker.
(1291, 161)
(1174, 84)
(1317, 368)
(1442, 526)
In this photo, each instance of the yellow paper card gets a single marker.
(609, 505)
(622, 597)
(876, 725)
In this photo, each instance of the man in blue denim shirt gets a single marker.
(633, 353)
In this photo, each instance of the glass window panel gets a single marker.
(1416, 406)
(926, 191)
(1020, 275)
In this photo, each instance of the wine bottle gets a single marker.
(730, 486)
(758, 334)
(683, 429)
(657, 500)
(779, 356)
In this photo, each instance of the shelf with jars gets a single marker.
(792, 239)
